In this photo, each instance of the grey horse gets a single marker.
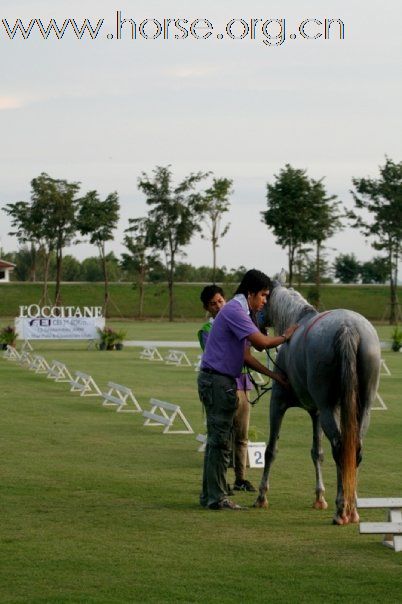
(332, 363)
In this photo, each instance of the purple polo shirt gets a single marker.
(224, 350)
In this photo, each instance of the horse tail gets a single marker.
(346, 343)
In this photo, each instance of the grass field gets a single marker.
(370, 300)
(97, 508)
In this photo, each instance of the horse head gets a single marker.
(264, 316)
(284, 306)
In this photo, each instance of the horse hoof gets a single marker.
(261, 503)
(354, 517)
(340, 520)
(320, 505)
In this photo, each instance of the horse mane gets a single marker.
(287, 306)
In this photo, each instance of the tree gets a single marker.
(375, 270)
(347, 268)
(216, 203)
(325, 221)
(302, 265)
(55, 202)
(91, 269)
(27, 230)
(142, 258)
(309, 271)
(157, 272)
(31, 223)
(72, 270)
(288, 201)
(382, 198)
(174, 215)
(98, 219)
(235, 275)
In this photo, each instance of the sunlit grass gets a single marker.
(98, 508)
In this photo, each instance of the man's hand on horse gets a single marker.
(290, 331)
(281, 379)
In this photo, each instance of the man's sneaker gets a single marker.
(225, 504)
(244, 485)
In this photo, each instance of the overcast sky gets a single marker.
(102, 111)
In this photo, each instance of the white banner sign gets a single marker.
(59, 328)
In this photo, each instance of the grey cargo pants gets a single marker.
(218, 395)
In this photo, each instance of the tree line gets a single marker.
(346, 268)
(299, 212)
(90, 270)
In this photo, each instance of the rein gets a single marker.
(261, 389)
(264, 388)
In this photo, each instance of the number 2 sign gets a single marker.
(256, 453)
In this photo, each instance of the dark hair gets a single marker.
(209, 292)
(253, 281)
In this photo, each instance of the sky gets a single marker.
(240, 103)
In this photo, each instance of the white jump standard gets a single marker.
(39, 364)
(59, 372)
(382, 406)
(151, 353)
(84, 384)
(25, 359)
(121, 397)
(392, 528)
(384, 369)
(26, 345)
(164, 414)
(197, 363)
(11, 353)
(177, 357)
(202, 438)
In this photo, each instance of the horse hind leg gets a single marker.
(317, 455)
(349, 514)
(344, 515)
(331, 430)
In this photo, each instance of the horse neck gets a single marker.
(288, 307)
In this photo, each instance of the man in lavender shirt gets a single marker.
(213, 299)
(225, 354)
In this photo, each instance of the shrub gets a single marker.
(110, 339)
(396, 336)
(7, 336)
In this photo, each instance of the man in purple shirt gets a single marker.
(225, 354)
(213, 300)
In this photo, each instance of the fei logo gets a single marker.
(40, 322)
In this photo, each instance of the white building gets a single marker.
(5, 270)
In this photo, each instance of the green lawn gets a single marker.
(97, 508)
(178, 331)
(370, 300)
